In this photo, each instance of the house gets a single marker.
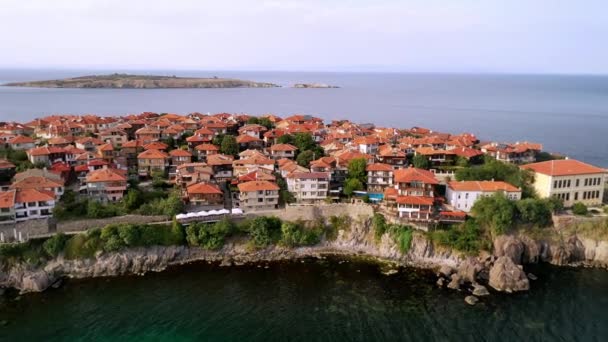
(114, 136)
(7, 207)
(33, 204)
(462, 195)
(437, 157)
(253, 130)
(106, 152)
(379, 177)
(40, 183)
(106, 185)
(308, 187)
(415, 193)
(147, 134)
(192, 173)
(367, 145)
(88, 144)
(570, 180)
(21, 142)
(248, 142)
(206, 150)
(46, 155)
(204, 194)
(179, 157)
(221, 165)
(258, 195)
(150, 161)
(391, 155)
(129, 150)
(59, 141)
(279, 151)
(518, 153)
(246, 165)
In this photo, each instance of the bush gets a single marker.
(380, 226)
(54, 245)
(264, 231)
(495, 213)
(295, 234)
(80, 246)
(209, 236)
(579, 209)
(402, 235)
(465, 237)
(534, 211)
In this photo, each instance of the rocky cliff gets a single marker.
(502, 270)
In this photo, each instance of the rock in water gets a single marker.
(440, 282)
(35, 282)
(456, 282)
(532, 276)
(471, 300)
(480, 290)
(446, 271)
(506, 276)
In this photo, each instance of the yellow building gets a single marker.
(570, 180)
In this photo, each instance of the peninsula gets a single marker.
(314, 85)
(127, 81)
(88, 196)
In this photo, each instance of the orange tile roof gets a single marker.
(21, 139)
(255, 160)
(565, 167)
(257, 186)
(203, 188)
(35, 182)
(152, 154)
(207, 147)
(105, 175)
(157, 145)
(257, 175)
(33, 195)
(5, 164)
(484, 186)
(379, 167)
(414, 174)
(180, 153)
(415, 200)
(429, 151)
(219, 159)
(283, 147)
(244, 139)
(7, 199)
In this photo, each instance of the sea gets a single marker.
(568, 114)
(334, 299)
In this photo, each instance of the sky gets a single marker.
(506, 36)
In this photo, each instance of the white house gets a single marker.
(308, 186)
(462, 195)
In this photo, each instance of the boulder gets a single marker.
(510, 246)
(440, 282)
(480, 290)
(468, 269)
(506, 276)
(456, 282)
(35, 282)
(471, 300)
(532, 250)
(532, 276)
(446, 271)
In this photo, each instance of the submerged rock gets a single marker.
(441, 282)
(480, 290)
(506, 276)
(456, 282)
(471, 300)
(532, 276)
(35, 282)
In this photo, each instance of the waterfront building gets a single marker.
(463, 195)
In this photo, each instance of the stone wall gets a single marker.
(314, 212)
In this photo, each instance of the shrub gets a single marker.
(495, 213)
(295, 234)
(465, 237)
(534, 211)
(79, 246)
(264, 231)
(54, 245)
(402, 235)
(579, 208)
(380, 226)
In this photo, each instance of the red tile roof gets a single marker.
(379, 167)
(257, 186)
(415, 200)
(180, 153)
(105, 175)
(33, 195)
(413, 174)
(203, 188)
(152, 154)
(283, 147)
(565, 167)
(485, 186)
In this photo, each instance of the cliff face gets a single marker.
(503, 271)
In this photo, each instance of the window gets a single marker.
(5, 210)
(585, 195)
(33, 212)
(466, 195)
(569, 183)
(555, 184)
(261, 192)
(578, 181)
(567, 196)
(260, 200)
(31, 204)
(576, 196)
(586, 181)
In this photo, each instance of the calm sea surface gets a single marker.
(568, 114)
(313, 301)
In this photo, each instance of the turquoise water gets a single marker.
(568, 114)
(312, 301)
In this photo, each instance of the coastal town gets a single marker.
(66, 166)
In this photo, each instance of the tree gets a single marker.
(534, 211)
(304, 141)
(55, 244)
(356, 169)
(305, 158)
(285, 139)
(133, 199)
(579, 208)
(229, 145)
(352, 185)
(420, 162)
(217, 140)
(495, 213)
(462, 161)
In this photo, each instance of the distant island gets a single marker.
(313, 85)
(120, 81)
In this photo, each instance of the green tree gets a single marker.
(217, 140)
(351, 186)
(534, 211)
(229, 145)
(305, 158)
(579, 208)
(380, 226)
(420, 162)
(356, 169)
(264, 231)
(133, 199)
(495, 213)
(462, 161)
(286, 139)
